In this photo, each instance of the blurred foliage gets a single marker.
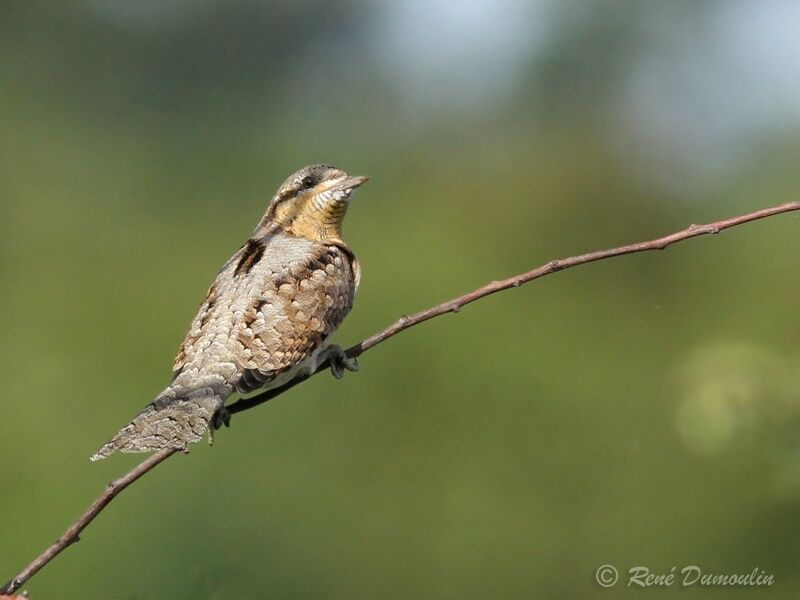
(640, 411)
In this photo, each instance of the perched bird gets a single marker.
(266, 317)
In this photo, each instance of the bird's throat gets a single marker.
(319, 221)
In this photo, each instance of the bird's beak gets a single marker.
(349, 184)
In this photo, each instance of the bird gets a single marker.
(266, 318)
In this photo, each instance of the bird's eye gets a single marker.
(308, 182)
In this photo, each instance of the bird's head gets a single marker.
(312, 202)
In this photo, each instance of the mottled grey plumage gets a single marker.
(266, 317)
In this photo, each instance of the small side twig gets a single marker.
(405, 322)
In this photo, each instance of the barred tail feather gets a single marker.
(166, 423)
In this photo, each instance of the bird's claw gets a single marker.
(220, 418)
(339, 361)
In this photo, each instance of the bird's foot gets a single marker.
(339, 361)
(220, 418)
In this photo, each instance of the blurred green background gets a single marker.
(639, 411)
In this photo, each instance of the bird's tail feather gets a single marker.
(167, 422)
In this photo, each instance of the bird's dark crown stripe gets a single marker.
(253, 251)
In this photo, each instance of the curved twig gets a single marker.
(405, 322)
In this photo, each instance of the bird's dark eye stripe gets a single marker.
(286, 194)
(306, 183)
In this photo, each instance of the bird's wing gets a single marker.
(212, 311)
(271, 307)
(299, 306)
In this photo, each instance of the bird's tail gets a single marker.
(169, 421)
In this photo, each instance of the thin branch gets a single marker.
(72, 535)
(405, 322)
(456, 304)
